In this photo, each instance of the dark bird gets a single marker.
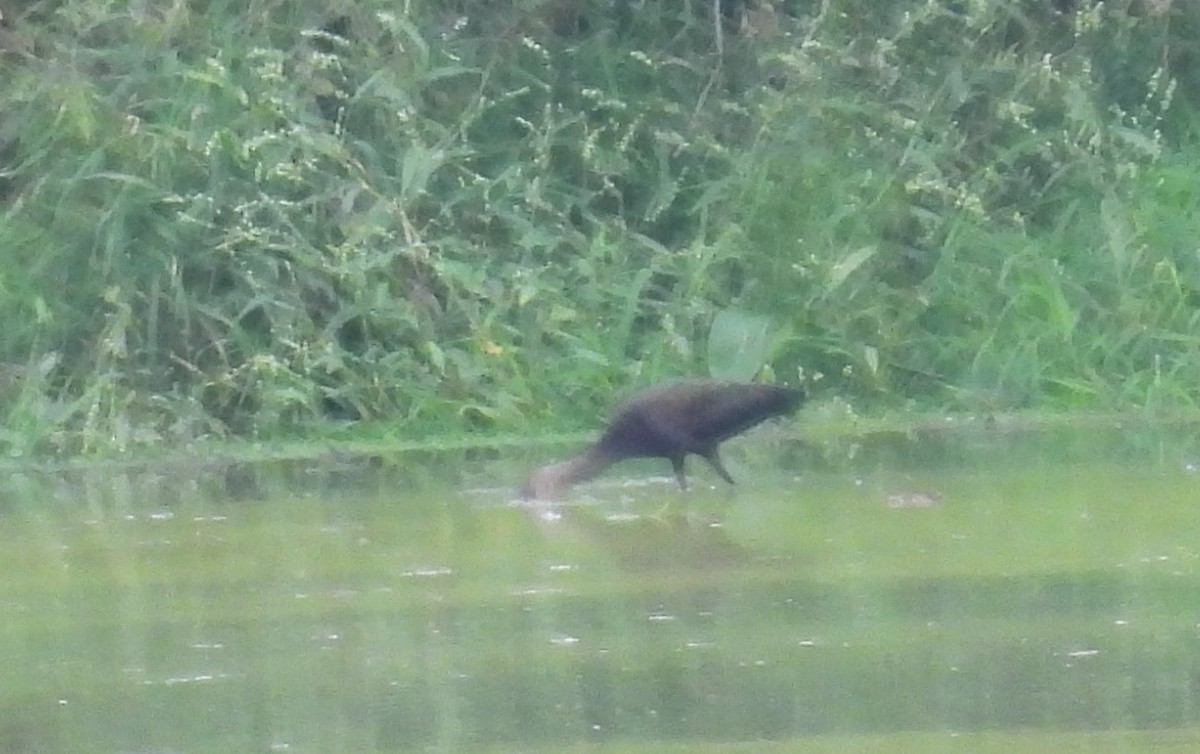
(670, 421)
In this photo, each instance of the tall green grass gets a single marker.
(268, 220)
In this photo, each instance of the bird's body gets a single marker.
(671, 421)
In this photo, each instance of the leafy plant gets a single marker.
(268, 220)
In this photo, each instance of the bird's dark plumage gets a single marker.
(670, 421)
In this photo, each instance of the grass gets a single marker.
(283, 222)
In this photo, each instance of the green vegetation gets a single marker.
(266, 220)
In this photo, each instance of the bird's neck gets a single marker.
(549, 481)
(582, 467)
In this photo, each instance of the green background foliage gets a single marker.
(266, 219)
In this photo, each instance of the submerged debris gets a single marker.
(913, 499)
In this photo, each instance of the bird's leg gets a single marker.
(677, 465)
(714, 459)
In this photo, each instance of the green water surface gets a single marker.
(974, 591)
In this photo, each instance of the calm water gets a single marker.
(958, 592)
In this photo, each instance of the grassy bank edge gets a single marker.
(381, 439)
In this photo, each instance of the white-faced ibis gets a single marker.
(670, 421)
